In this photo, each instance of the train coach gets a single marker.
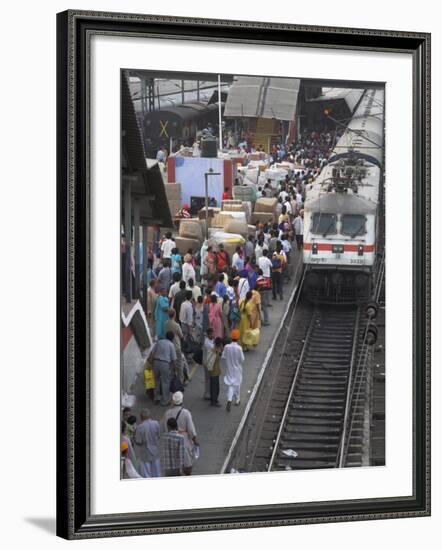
(179, 123)
(344, 207)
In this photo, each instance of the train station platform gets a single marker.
(216, 428)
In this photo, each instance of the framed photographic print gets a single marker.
(243, 274)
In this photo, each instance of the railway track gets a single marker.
(311, 431)
(300, 414)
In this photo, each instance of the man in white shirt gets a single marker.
(186, 315)
(175, 287)
(284, 195)
(233, 357)
(188, 269)
(288, 206)
(196, 290)
(298, 227)
(265, 264)
(167, 246)
(243, 285)
(237, 261)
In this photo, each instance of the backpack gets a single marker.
(276, 262)
(235, 314)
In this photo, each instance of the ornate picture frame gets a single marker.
(74, 32)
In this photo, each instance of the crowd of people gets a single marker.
(208, 307)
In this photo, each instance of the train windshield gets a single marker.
(324, 224)
(353, 225)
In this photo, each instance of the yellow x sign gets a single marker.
(163, 128)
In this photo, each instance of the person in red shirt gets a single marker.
(222, 258)
(226, 195)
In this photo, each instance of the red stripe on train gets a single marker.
(326, 247)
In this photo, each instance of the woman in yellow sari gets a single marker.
(250, 317)
(255, 322)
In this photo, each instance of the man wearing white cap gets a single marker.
(186, 427)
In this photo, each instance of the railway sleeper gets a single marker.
(324, 394)
(309, 455)
(305, 465)
(308, 366)
(301, 440)
(328, 386)
(307, 400)
(319, 430)
(317, 408)
(289, 443)
(314, 413)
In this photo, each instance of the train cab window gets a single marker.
(353, 225)
(324, 224)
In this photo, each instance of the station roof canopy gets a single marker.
(263, 97)
(144, 177)
(349, 95)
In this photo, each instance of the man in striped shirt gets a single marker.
(172, 449)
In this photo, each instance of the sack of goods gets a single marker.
(251, 337)
(191, 229)
(212, 211)
(227, 204)
(263, 217)
(221, 218)
(264, 204)
(247, 207)
(183, 244)
(233, 207)
(244, 192)
(251, 230)
(239, 227)
(229, 240)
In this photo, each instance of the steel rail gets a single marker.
(292, 389)
(295, 298)
(348, 401)
(363, 357)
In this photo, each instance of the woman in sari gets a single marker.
(255, 321)
(226, 314)
(246, 306)
(216, 317)
(210, 263)
(161, 313)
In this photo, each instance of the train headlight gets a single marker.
(314, 248)
(338, 249)
(360, 249)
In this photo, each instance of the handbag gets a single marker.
(264, 283)
(189, 345)
(149, 378)
(175, 384)
(198, 356)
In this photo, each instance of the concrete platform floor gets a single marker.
(215, 426)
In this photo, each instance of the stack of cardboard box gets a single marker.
(265, 210)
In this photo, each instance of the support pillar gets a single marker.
(137, 247)
(128, 237)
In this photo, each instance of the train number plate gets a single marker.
(338, 248)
